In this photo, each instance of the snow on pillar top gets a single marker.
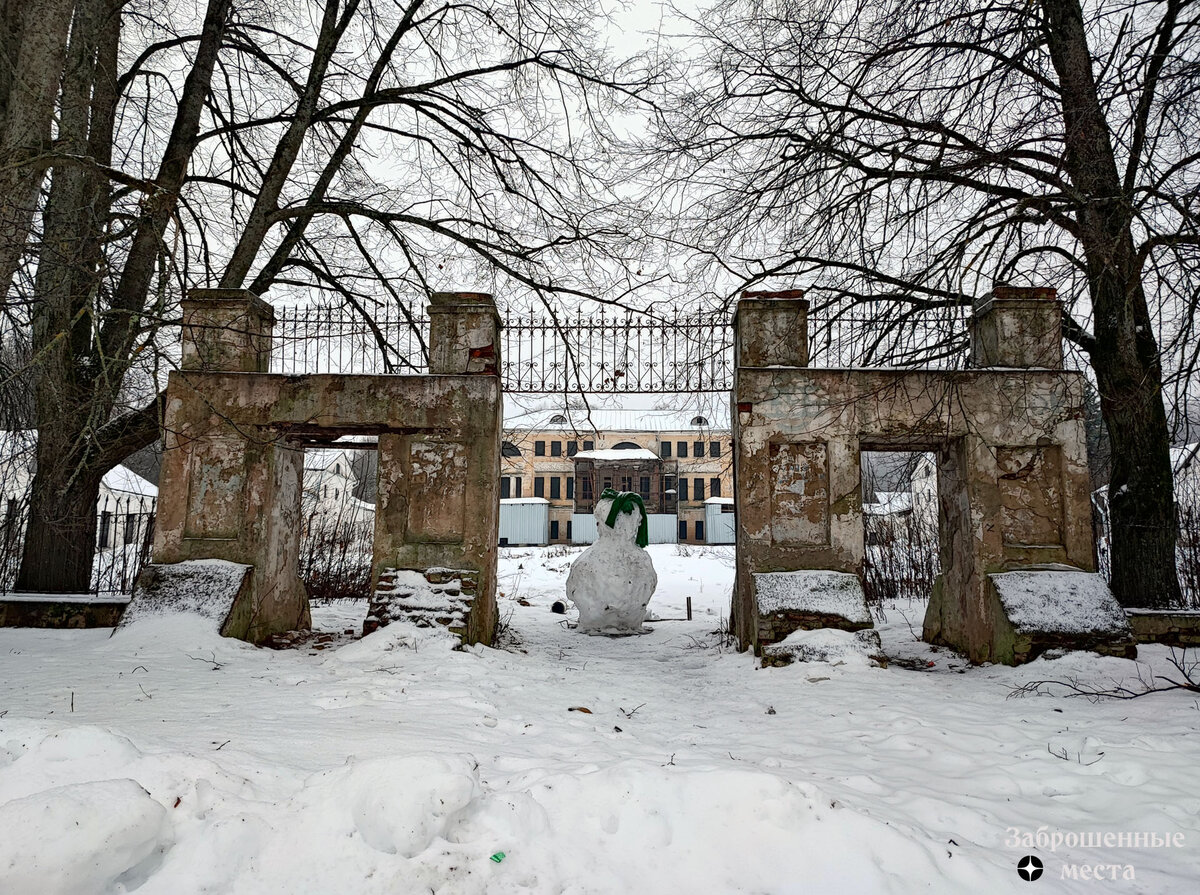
(226, 330)
(771, 329)
(464, 333)
(1017, 327)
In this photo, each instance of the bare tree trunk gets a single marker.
(1125, 356)
(80, 368)
(33, 40)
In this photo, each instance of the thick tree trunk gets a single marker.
(80, 370)
(33, 39)
(1125, 356)
(61, 537)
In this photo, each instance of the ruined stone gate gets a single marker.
(233, 463)
(1014, 508)
(1018, 570)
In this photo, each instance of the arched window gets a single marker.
(558, 420)
(699, 421)
(508, 449)
(626, 446)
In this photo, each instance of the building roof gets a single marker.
(618, 454)
(889, 503)
(320, 459)
(126, 481)
(610, 419)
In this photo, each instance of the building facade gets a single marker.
(675, 461)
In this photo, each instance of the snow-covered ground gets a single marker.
(167, 760)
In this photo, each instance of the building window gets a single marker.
(644, 489)
(681, 449)
(697, 448)
(508, 449)
(589, 445)
(324, 490)
(664, 450)
(714, 448)
(683, 490)
(130, 528)
(102, 535)
(626, 483)
(697, 490)
(518, 481)
(585, 485)
(337, 468)
(699, 530)
(539, 487)
(607, 483)
(572, 448)
(570, 487)
(714, 487)
(568, 529)
(556, 449)
(555, 488)
(669, 487)
(682, 530)
(539, 448)
(558, 420)
(505, 487)
(699, 421)
(554, 529)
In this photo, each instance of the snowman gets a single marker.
(613, 580)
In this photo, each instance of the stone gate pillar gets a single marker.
(1017, 327)
(438, 499)
(226, 331)
(230, 492)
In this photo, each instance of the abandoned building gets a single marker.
(681, 463)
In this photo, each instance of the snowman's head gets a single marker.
(625, 525)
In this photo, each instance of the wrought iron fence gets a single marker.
(124, 536)
(610, 350)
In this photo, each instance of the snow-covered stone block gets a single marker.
(431, 597)
(806, 600)
(1040, 609)
(831, 645)
(213, 589)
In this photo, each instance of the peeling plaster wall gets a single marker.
(1013, 475)
(232, 468)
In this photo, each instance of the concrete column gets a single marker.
(771, 329)
(227, 331)
(1017, 327)
(464, 333)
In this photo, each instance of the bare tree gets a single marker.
(373, 151)
(906, 156)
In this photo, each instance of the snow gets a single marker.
(817, 592)
(539, 415)
(126, 481)
(28, 597)
(723, 501)
(613, 579)
(828, 645)
(889, 503)
(618, 454)
(202, 587)
(394, 764)
(1059, 601)
(504, 500)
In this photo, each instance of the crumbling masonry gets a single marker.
(1014, 511)
(233, 461)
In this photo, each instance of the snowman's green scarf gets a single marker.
(624, 502)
